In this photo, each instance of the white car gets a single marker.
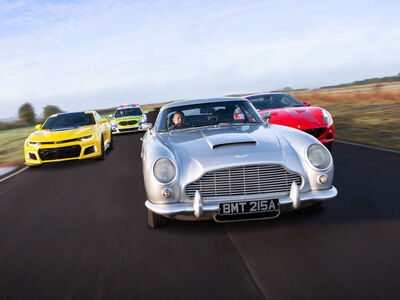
(128, 118)
(218, 159)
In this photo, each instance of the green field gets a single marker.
(12, 144)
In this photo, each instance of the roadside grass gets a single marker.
(12, 144)
(371, 117)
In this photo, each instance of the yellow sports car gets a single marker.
(69, 136)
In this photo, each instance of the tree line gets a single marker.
(27, 113)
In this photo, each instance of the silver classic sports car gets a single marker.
(217, 158)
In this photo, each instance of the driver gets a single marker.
(178, 121)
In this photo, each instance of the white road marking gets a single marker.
(9, 176)
(367, 146)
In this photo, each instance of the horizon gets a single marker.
(99, 54)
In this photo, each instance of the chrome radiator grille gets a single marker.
(246, 180)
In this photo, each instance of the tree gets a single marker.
(49, 110)
(26, 113)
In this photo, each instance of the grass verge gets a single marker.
(366, 117)
(12, 144)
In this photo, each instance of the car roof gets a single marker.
(265, 94)
(202, 100)
(124, 106)
(74, 112)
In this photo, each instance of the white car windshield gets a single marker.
(207, 114)
(126, 112)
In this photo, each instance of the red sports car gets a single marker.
(288, 111)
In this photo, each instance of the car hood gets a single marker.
(296, 117)
(61, 135)
(221, 147)
(128, 118)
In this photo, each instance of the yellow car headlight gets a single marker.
(33, 144)
(86, 138)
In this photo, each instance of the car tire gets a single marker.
(314, 208)
(111, 146)
(329, 146)
(155, 220)
(34, 166)
(103, 153)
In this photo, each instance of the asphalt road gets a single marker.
(78, 230)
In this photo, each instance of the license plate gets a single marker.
(248, 207)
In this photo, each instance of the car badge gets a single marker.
(241, 155)
(298, 126)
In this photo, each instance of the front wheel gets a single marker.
(311, 209)
(329, 146)
(103, 152)
(111, 146)
(34, 166)
(154, 220)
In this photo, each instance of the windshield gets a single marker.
(69, 120)
(270, 101)
(125, 112)
(207, 114)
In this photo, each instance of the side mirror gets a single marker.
(147, 126)
(306, 103)
(38, 126)
(267, 116)
(103, 120)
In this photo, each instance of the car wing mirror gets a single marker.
(267, 116)
(147, 126)
(307, 103)
(103, 120)
(38, 126)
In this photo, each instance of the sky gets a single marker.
(82, 55)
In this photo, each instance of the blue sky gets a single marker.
(98, 54)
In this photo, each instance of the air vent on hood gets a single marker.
(234, 143)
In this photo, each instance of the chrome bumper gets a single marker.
(198, 208)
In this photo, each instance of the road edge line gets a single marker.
(368, 146)
(13, 174)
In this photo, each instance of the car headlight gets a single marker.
(86, 138)
(164, 170)
(32, 143)
(318, 156)
(326, 117)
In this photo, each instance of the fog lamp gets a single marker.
(323, 179)
(166, 193)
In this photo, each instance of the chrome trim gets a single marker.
(197, 205)
(174, 209)
(294, 195)
(244, 180)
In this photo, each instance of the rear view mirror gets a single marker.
(38, 126)
(306, 103)
(147, 126)
(103, 120)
